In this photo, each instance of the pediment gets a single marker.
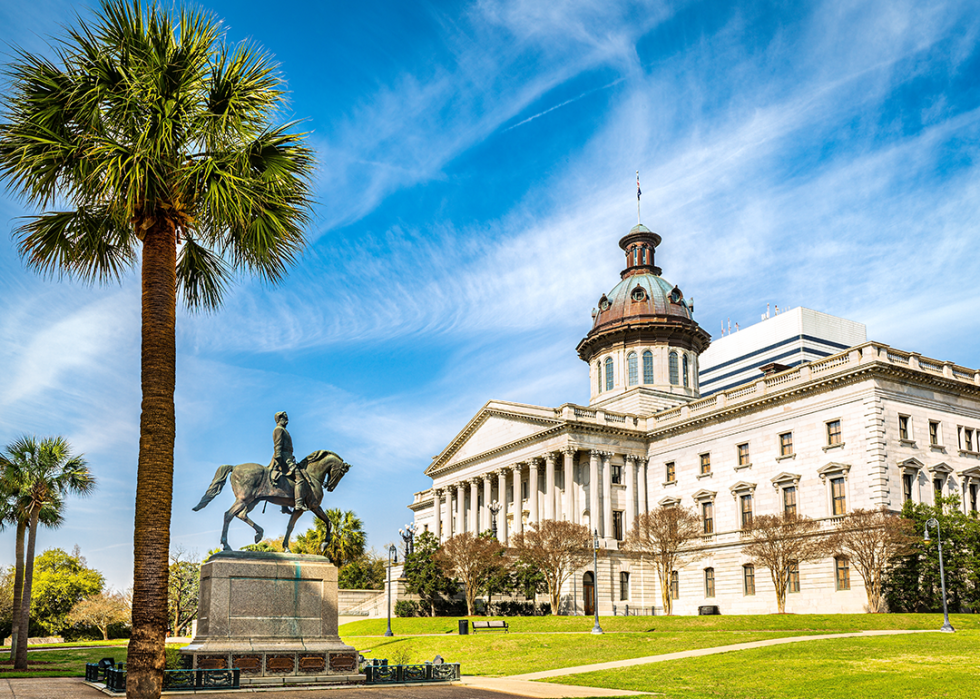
(912, 464)
(741, 487)
(491, 429)
(941, 467)
(833, 467)
(704, 494)
(973, 472)
(669, 502)
(785, 477)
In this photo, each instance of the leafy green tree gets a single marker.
(183, 590)
(269, 545)
(41, 472)
(61, 581)
(529, 580)
(422, 573)
(913, 585)
(157, 138)
(345, 543)
(364, 573)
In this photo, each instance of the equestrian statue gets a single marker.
(284, 482)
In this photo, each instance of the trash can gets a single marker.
(464, 627)
(708, 610)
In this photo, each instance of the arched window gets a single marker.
(674, 379)
(598, 374)
(648, 367)
(609, 374)
(684, 365)
(631, 366)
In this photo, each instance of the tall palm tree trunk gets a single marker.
(20, 657)
(154, 487)
(18, 587)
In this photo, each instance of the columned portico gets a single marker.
(485, 510)
(630, 491)
(568, 511)
(606, 530)
(473, 523)
(549, 485)
(532, 491)
(437, 511)
(594, 489)
(502, 532)
(518, 500)
(460, 509)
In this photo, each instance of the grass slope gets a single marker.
(63, 662)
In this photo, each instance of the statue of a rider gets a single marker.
(284, 463)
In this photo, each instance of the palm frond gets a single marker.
(201, 276)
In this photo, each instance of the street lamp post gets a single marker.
(494, 508)
(392, 552)
(933, 522)
(408, 536)
(595, 584)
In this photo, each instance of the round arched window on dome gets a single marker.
(675, 295)
(609, 374)
(674, 369)
(648, 367)
(632, 369)
(603, 303)
(639, 293)
(686, 379)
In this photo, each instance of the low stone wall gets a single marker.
(37, 640)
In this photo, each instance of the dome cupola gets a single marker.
(644, 342)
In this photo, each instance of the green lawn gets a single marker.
(917, 666)
(62, 662)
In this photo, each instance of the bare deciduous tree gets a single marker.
(469, 559)
(780, 542)
(871, 540)
(556, 548)
(101, 611)
(665, 536)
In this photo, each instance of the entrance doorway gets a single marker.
(588, 593)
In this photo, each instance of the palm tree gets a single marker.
(158, 138)
(14, 510)
(345, 543)
(39, 474)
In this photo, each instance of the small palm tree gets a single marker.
(157, 140)
(345, 543)
(39, 474)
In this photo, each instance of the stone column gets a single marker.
(437, 509)
(568, 510)
(486, 504)
(460, 509)
(502, 498)
(606, 530)
(474, 520)
(630, 492)
(641, 487)
(532, 490)
(518, 501)
(594, 490)
(549, 485)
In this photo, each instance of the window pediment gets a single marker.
(669, 502)
(742, 488)
(941, 467)
(911, 465)
(970, 473)
(784, 479)
(833, 469)
(704, 495)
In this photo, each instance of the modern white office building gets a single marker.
(844, 423)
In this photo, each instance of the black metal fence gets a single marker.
(115, 679)
(401, 674)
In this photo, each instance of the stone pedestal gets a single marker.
(274, 616)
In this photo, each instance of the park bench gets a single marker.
(491, 624)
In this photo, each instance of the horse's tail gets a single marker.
(220, 476)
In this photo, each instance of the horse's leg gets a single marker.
(243, 515)
(237, 506)
(289, 529)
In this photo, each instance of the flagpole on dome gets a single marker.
(638, 192)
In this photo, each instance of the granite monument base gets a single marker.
(273, 616)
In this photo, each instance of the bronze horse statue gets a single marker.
(252, 483)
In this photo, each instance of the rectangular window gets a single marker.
(705, 463)
(624, 585)
(748, 579)
(969, 439)
(708, 516)
(669, 472)
(843, 574)
(793, 577)
(973, 497)
(904, 428)
(617, 474)
(934, 433)
(908, 481)
(937, 488)
(838, 496)
(709, 582)
(618, 524)
(743, 454)
(789, 500)
(833, 433)
(746, 501)
(786, 444)
(675, 585)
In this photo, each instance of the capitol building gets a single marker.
(797, 413)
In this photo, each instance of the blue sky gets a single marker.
(476, 170)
